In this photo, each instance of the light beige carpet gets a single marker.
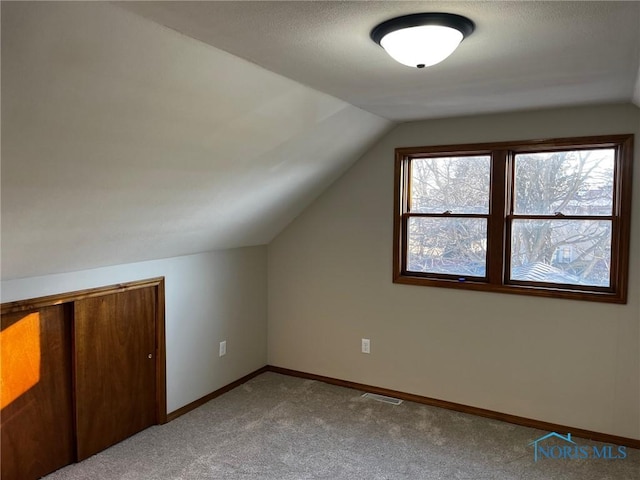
(276, 427)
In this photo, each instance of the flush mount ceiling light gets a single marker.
(422, 39)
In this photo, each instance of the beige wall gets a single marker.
(563, 361)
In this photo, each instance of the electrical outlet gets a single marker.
(366, 345)
(223, 348)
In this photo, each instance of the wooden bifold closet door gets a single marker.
(114, 360)
(81, 371)
(37, 413)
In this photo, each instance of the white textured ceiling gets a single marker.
(522, 55)
(124, 140)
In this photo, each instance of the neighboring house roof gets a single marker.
(542, 272)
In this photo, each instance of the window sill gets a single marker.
(538, 291)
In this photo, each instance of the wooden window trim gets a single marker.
(498, 254)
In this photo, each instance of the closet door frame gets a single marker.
(160, 353)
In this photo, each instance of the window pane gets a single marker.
(458, 184)
(453, 246)
(576, 252)
(578, 182)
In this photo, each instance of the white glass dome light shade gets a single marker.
(421, 46)
(422, 39)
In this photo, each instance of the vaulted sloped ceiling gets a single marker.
(143, 130)
(123, 140)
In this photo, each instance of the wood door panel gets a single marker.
(37, 405)
(115, 378)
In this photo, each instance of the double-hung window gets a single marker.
(546, 218)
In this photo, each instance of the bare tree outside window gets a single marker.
(574, 186)
(456, 184)
(453, 246)
(445, 188)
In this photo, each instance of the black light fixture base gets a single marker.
(463, 24)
